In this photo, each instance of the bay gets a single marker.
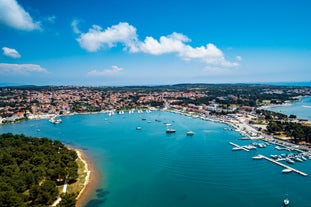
(149, 168)
(301, 108)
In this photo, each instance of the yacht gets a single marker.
(170, 131)
(278, 147)
(298, 159)
(55, 121)
(58, 121)
(190, 133)
(250, 147)
(287, 170)
(290, 161)
(274, 156)
(257, 157)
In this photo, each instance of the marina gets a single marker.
(183, 162)
(285, 166)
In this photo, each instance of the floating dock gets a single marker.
(238, 146)
(283, 165)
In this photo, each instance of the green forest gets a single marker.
(32, 168)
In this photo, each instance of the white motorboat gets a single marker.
(274, 156)
(170, 131)
(290, 161)
(257, 157)
(190, 133)
(287, 170)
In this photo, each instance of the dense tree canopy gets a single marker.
(297, 131)
(31, 169)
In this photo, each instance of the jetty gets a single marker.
(238, 146)
(283, 165)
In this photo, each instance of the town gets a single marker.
(215, 101)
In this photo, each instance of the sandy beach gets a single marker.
(92, 179)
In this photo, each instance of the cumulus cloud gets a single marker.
(10, 52)
(21, 68)
(125, 34)
(97, 38)
(114, 70)
(14, 15)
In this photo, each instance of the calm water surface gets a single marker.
(149, 168)
(301, 109)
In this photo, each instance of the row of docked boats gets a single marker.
(131, 111)
(252, 146)
(53, 120)
(291, 158)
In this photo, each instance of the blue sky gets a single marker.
(120, 42)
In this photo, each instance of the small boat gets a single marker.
(190, 133)
(298, 159)
(274, 156)
(170, 131)
(261, 145)
(257, 157)
(236, 148)
(287, 170)
(138, 128)
(55, 121)
(279, 148)
(286, 202)
(250, 147)
(290, 161)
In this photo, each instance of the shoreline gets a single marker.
(92, 178)
(244, 129)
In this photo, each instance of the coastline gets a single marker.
(245, 129)
(92, 179)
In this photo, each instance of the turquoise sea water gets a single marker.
(302, 108)
(149, 168)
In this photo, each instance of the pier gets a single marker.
(238, 146)
(283, 165)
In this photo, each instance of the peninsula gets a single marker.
(40, 172)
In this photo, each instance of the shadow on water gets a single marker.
(101, 198)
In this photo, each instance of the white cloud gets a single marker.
(238, 58)
(13, 15)
(10, 52)
(96, 39)
(74, 25)
(167, 44)
(178, 43)
(51, 19)
(114, 70)
(20, 68)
